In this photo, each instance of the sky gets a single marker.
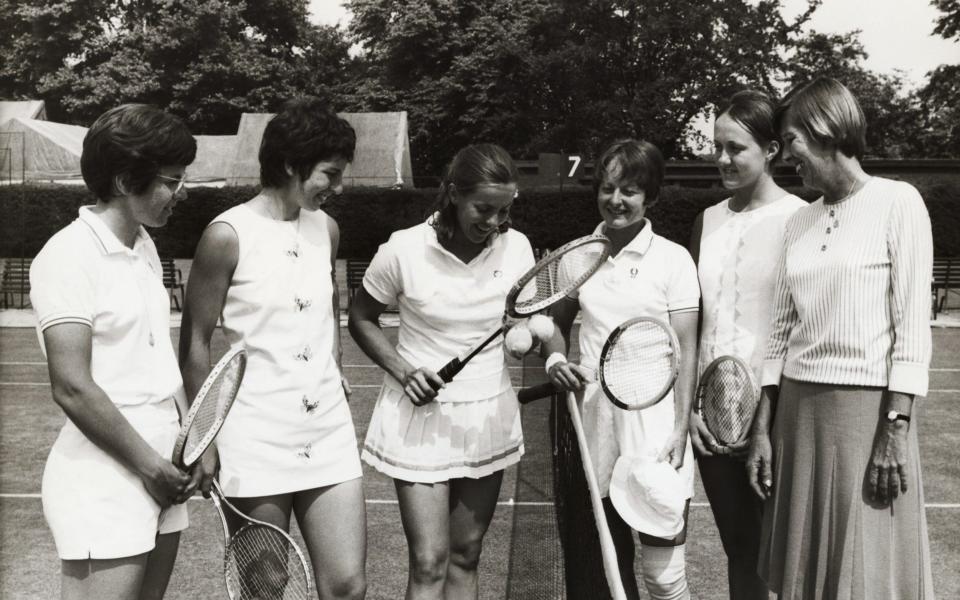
(895, 33)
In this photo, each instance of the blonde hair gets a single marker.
(828, 113)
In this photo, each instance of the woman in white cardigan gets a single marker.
(848, 353)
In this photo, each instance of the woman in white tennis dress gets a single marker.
(111, 496)
(737, 244)
(446, 446)
(645, 275)
(265, 268)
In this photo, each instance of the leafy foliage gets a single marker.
(207, 60)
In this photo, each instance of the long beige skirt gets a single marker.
(822, 537)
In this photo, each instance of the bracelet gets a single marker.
(552, 360)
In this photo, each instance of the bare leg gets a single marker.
(333, 522)
(160, 563)
(103, 579)
(426, 523)
(472, 504)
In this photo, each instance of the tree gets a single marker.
(38, 38)
(892, 114)
(548, 75)
(208, 61)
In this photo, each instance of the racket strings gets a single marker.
(639, 364)
(215, 404)
(263, 564)
(556, 278)
(728, 401)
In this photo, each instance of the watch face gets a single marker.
(892, 415)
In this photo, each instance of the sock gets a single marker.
(664, 572)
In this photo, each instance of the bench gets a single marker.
(946, 277)
(15, 285)
(355, 269)
(173, 281)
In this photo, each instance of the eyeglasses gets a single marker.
(180, 182)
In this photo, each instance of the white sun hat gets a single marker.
(649, 495)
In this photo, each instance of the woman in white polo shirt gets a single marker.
(835, 449)
(646, 275)
(737, 244)
(265, 268)
(446, 446)
(110, 493)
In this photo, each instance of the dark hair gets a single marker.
(753, 110)
(828, 113)
(304, 132)
(471, 167)
(640, 162)
(133, 142)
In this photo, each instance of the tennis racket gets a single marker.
(210, 407)
(551, 279)
(607, 549)
(638, 365)
(260, 560)
(727, 399)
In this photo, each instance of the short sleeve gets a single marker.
(383, 279)
(683, 294)
(62, 286)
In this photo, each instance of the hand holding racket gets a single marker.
(638, 365)
(547, 282)
(260, 560)
(210, 407)
(726, 400)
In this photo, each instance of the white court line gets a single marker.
(360, 386)
(510, 502)
(37, 363)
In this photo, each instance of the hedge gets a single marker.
(30, 214)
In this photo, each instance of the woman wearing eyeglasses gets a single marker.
(110, 494)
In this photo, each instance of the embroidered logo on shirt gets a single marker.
(306, 355)
(302, 303)
(305, 451)
(310, 405)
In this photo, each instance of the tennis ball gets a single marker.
(518, 341)
(541, 326)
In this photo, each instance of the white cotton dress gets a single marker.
(290, 428)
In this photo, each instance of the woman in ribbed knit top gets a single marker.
(848, 352)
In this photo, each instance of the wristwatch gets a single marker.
(894, 416)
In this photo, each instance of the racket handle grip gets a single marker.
(450, 370)
(535, 392)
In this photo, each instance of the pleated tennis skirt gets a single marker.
(822, 538)
(443, 440)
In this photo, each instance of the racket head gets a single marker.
(557, 274)
(727, 398)
(263, 561)
(260, 560)
(639, 363)
(210, 408)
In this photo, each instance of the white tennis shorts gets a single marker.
(96, 508)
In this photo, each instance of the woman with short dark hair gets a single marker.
(646, 275)
(266, 269)
(848, 353)
(111, 496)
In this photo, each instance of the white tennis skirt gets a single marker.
(98, 509)
(443, 440)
